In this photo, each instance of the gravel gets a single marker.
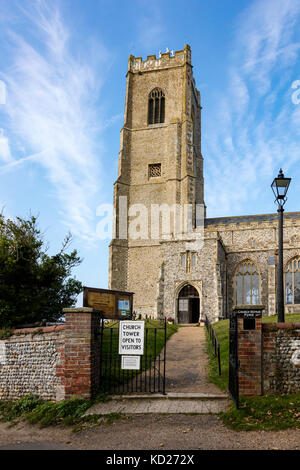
(149, 432)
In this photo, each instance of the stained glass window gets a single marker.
(247, 284)
(292, 282)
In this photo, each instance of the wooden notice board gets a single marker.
(114, 304)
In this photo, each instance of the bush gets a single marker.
(33, 285)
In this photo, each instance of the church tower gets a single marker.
(160, 163)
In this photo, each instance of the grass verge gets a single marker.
(268, 413)
(35, 410)
(222, 330)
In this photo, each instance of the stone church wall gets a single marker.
(203, 276)
(144, 271)
(254, 238)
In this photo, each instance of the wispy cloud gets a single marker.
(52, 107)
(5, 154)
(150, 26)
(254, 130)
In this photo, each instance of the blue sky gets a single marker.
(62, 76)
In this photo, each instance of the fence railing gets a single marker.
(214, 340)
(150, 377)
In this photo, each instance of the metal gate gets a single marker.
(233, 360)
(151, 376)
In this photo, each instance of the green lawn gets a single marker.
(267, 412)
(290, 318)
(222, 330)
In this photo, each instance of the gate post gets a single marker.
(249, 345)
(82, 351)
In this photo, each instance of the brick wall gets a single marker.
(82, 352)
(53, 362)
(249, 354)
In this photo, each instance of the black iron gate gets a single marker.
(151, 375)
(233, 360)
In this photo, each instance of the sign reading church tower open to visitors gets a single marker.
(131, 343)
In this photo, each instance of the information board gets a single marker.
(113, 304)
(131, 337)
(102, 301)
(131, 362)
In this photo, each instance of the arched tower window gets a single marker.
(247, 284)
(156, 107)
(292, 281)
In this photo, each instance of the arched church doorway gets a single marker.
(188, 305)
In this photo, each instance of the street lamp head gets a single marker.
(280, 188)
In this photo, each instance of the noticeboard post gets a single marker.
(131, 343)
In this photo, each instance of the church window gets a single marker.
(183, 261)
(247, 284)
(188, 291)
(292, 281)
(154, 170)
(156, 107)
(194, 259)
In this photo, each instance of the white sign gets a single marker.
(131, 337)
(131, 362)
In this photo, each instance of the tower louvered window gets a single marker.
(156, 107)
(154, 170)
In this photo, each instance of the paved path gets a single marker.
(187, 362)
(187, 386)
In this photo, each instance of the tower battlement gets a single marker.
(165, 60)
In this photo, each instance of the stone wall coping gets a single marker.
(263, 220)
(42, 329)
(277, 326)
(82, 310)
(249, 307)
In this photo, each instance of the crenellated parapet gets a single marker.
(251, 221)
(163, 61)
(255, 233)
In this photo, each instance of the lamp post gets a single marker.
(280, 187)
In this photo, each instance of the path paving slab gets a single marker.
(169, 403)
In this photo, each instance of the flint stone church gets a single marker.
(160, 163)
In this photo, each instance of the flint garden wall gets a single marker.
(56, 362)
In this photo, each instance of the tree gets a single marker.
(33, 285)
